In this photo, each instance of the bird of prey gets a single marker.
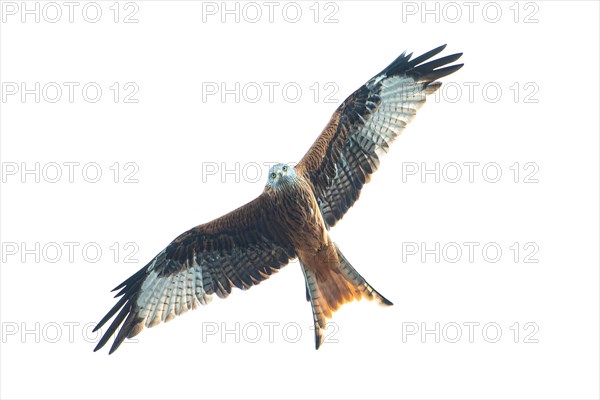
(291, 218)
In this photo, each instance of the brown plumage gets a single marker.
(290, 219)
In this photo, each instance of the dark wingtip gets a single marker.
(112, 312)
(426, 56)
(438, 49)
(445, 60)
(420, 66)
(101, 343)
(430, 53)
(129, 289)
(113, 348)
(125, 307)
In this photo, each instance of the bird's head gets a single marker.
(281, 175)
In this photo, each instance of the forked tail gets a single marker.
(330, 282)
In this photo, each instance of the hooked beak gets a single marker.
(280, 173)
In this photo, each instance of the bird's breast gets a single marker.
(303, 216)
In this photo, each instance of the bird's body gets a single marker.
(305, 218)
(330, 279)
(290, 219)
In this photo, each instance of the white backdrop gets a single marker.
(494, 277)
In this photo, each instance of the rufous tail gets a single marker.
(329, 285)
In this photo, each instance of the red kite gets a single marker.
(291, 218)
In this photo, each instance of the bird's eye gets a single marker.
(285, 168)
(273, 175)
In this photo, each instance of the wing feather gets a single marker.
(240, 249)
(347, 152)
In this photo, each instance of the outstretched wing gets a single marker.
(240, 249)
(347, 152)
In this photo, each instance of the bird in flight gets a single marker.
(291, 218)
